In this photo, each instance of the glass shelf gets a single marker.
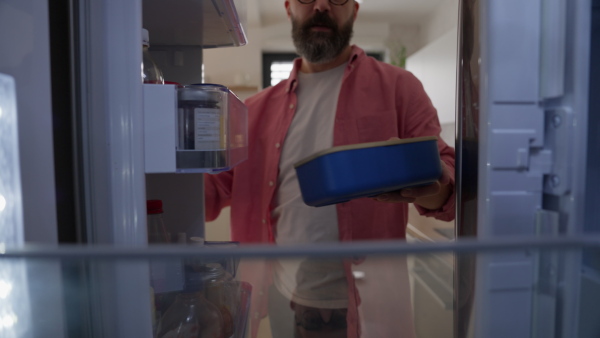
(421, 289)
(200, 23)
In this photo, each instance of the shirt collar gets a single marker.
(356, 54)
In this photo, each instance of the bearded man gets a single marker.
(335, 95)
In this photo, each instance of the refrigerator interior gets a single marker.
(100, 196)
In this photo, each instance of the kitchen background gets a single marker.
(427, 29)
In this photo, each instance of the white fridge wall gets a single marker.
(108, 77)
(111, 103)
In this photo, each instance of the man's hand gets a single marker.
(431, 196)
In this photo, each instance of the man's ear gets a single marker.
(356, 7)
(287, 8)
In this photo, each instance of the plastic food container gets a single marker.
(212, 126)
(343, 173)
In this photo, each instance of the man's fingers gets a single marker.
(427, 190)
(394, 197)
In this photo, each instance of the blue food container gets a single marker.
(342, 173)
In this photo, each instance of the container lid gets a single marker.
(364, 145)
(198, 275)
(212, 271)
(145, 37)
(154, 207)
(207, 92)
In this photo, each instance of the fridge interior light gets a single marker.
(2, 203)
(11, 208)
(15, 312)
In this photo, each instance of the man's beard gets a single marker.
(321, 47)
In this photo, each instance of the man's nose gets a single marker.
(322, 5)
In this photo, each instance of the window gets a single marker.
(276, 67)
(280, 70)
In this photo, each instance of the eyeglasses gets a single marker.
(333, 2)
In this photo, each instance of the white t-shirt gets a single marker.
(311, 131)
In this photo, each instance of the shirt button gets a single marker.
(270, 183)
(292, 106)
(260, 293)
(277, 145)
(255, 315)
(264, 221)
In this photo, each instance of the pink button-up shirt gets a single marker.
(377, 101)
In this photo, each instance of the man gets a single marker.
(335, 95)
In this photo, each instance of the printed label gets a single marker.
(207, 129)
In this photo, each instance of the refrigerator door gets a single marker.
(523, 123)
(467, 157)
(108, 93)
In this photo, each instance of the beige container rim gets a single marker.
(364, 145)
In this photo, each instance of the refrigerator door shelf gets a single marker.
(193, 129)
(160, 114)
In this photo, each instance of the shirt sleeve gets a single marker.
(421, 119)
(217, 193)
(448, 211)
